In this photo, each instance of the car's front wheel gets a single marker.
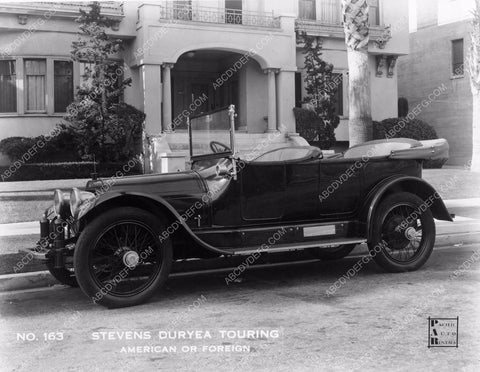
(119, 258)
(403, 233)
(63, 275)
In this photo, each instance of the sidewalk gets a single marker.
(25, 187)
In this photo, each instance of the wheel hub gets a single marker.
(411, 233)
(131, 259)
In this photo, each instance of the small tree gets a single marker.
(474, 71)
(106, 126)
(320, 83)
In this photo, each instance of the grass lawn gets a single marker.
(23, 210)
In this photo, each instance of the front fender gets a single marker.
(414, 185)
(112, 199)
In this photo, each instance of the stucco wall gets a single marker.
(427, 67)
(384, 92)
(256, 98)
(27, 126)
(395, 14)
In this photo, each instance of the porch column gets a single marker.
(167, 97)
(285, 101)
(151, 96)
(272, 100)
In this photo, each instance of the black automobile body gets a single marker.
(117, 238)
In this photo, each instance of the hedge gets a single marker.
(405, 128)
(56, 171)
(41, 149)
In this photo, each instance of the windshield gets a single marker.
(210, 133)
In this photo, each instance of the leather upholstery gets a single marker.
(287, 154)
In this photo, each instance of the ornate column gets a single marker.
(166, 97)
(272, 100)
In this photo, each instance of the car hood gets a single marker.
(165, 184)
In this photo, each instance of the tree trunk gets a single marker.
(473, 64)
(356, 28)
(359, 111)
(476, 133)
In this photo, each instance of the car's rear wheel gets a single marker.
(333, 253)
(119, 259)
(403, 233)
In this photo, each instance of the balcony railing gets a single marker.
(218, 15)
(112, 9)
(330, 11)
(327, 20)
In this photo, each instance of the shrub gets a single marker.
(60, 148)
(56, 171)
(15, 147)
(112, 137)
(311, 127)
(405, 128)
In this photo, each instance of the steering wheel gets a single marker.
(219, 147)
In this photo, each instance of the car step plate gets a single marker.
(299, 246)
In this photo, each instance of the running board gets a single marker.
(298, 246)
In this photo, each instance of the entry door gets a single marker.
(199, 90)
(227, 95)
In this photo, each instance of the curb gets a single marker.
(40, 279)
(16, 282)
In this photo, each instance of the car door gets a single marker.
(302, 188)
(340, 186)
(263, 191)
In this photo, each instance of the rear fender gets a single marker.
(414, 185)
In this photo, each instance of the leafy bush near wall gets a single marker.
(15, 147)
(113, 136)
(61, 148)
(404, 128)
(68, 170)
(311, 127)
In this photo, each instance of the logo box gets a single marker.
(442, 332)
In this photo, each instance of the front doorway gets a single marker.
(196, 87)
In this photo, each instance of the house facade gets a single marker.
(439, 42)
(192, 56)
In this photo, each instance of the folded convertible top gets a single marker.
(429, 150)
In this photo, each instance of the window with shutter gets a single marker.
(63, 85)
(35, 73)
(306, 9)
(457, 57)
(8, 87)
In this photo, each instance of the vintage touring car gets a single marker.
(117, 239)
